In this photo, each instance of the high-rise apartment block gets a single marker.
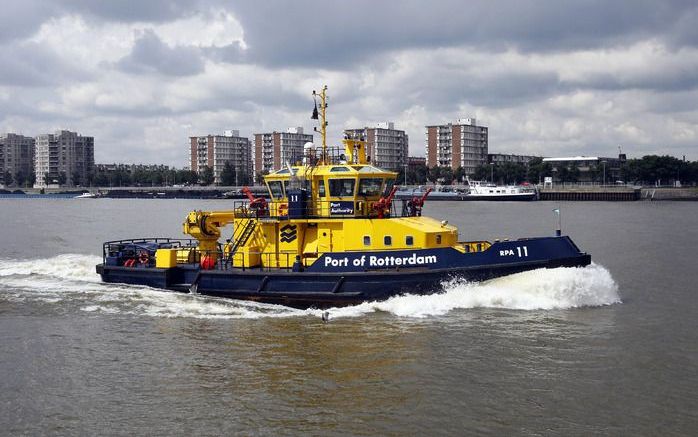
(460, 144)
(387, 146)
(272, 150)
(16, 159)
(63, 158)
(215, 150)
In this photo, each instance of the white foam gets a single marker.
(543, 289)
(72, 277)
(66, 266)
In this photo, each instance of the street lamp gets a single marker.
(604, 172)
(492, 172)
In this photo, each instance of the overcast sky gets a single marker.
(548, 78)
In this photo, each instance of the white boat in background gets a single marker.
(475, 190)
(86, 195)
(488, 191)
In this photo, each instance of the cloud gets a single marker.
(150, 54)
(547, 77)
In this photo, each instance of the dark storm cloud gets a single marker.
(343, 33)
(150, 54)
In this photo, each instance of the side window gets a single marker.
(367, 240)
(438, 238)
(275, 190)
(321, 188)
(409, 240)
(388, 240)
(388, 186)
(342, 187)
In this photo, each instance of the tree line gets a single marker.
(648, 170)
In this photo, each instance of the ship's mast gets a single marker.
(323, 121)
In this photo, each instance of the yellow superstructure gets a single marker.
(324, 201)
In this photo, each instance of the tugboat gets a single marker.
(330, 234)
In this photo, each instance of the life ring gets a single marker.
(143, 257)
(130, 262)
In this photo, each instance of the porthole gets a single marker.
(367, 240)
(409, 240)
(388, 240)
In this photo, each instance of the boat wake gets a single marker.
(71, 280)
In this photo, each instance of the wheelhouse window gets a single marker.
(321, 188)
(388, 186)
(370, 186)
(342, 187)
(275, 189)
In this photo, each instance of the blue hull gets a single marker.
(348, 278)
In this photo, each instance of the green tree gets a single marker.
(459, 174)
(76, 178)
(482, 172)
(228, 174)
(62, 178)
(260, 176)
(8, 179)
(206, 177)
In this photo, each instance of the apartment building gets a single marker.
(63, 158)
(215, 150)
(387, 146)
(460, 144)
(16, 159)
(273, 149)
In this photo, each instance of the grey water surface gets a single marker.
(611, 349)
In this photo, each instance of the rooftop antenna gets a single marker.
(323, 119)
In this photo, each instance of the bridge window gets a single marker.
(370, 187)
(275, 189)
(388, 186)
(388, 240)
(321, 188)
(367, 240)
(336, 169)
(409, 240)
(342, 187)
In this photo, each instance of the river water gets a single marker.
(607, 349)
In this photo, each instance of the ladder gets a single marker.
(245, 235)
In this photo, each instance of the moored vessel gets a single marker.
(330, 233)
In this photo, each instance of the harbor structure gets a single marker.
(588, 168)
(63, 158)
(16, 159)
(460, 144)
(215, 151)
(386, 146)
(501, 158)
(273, 149)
